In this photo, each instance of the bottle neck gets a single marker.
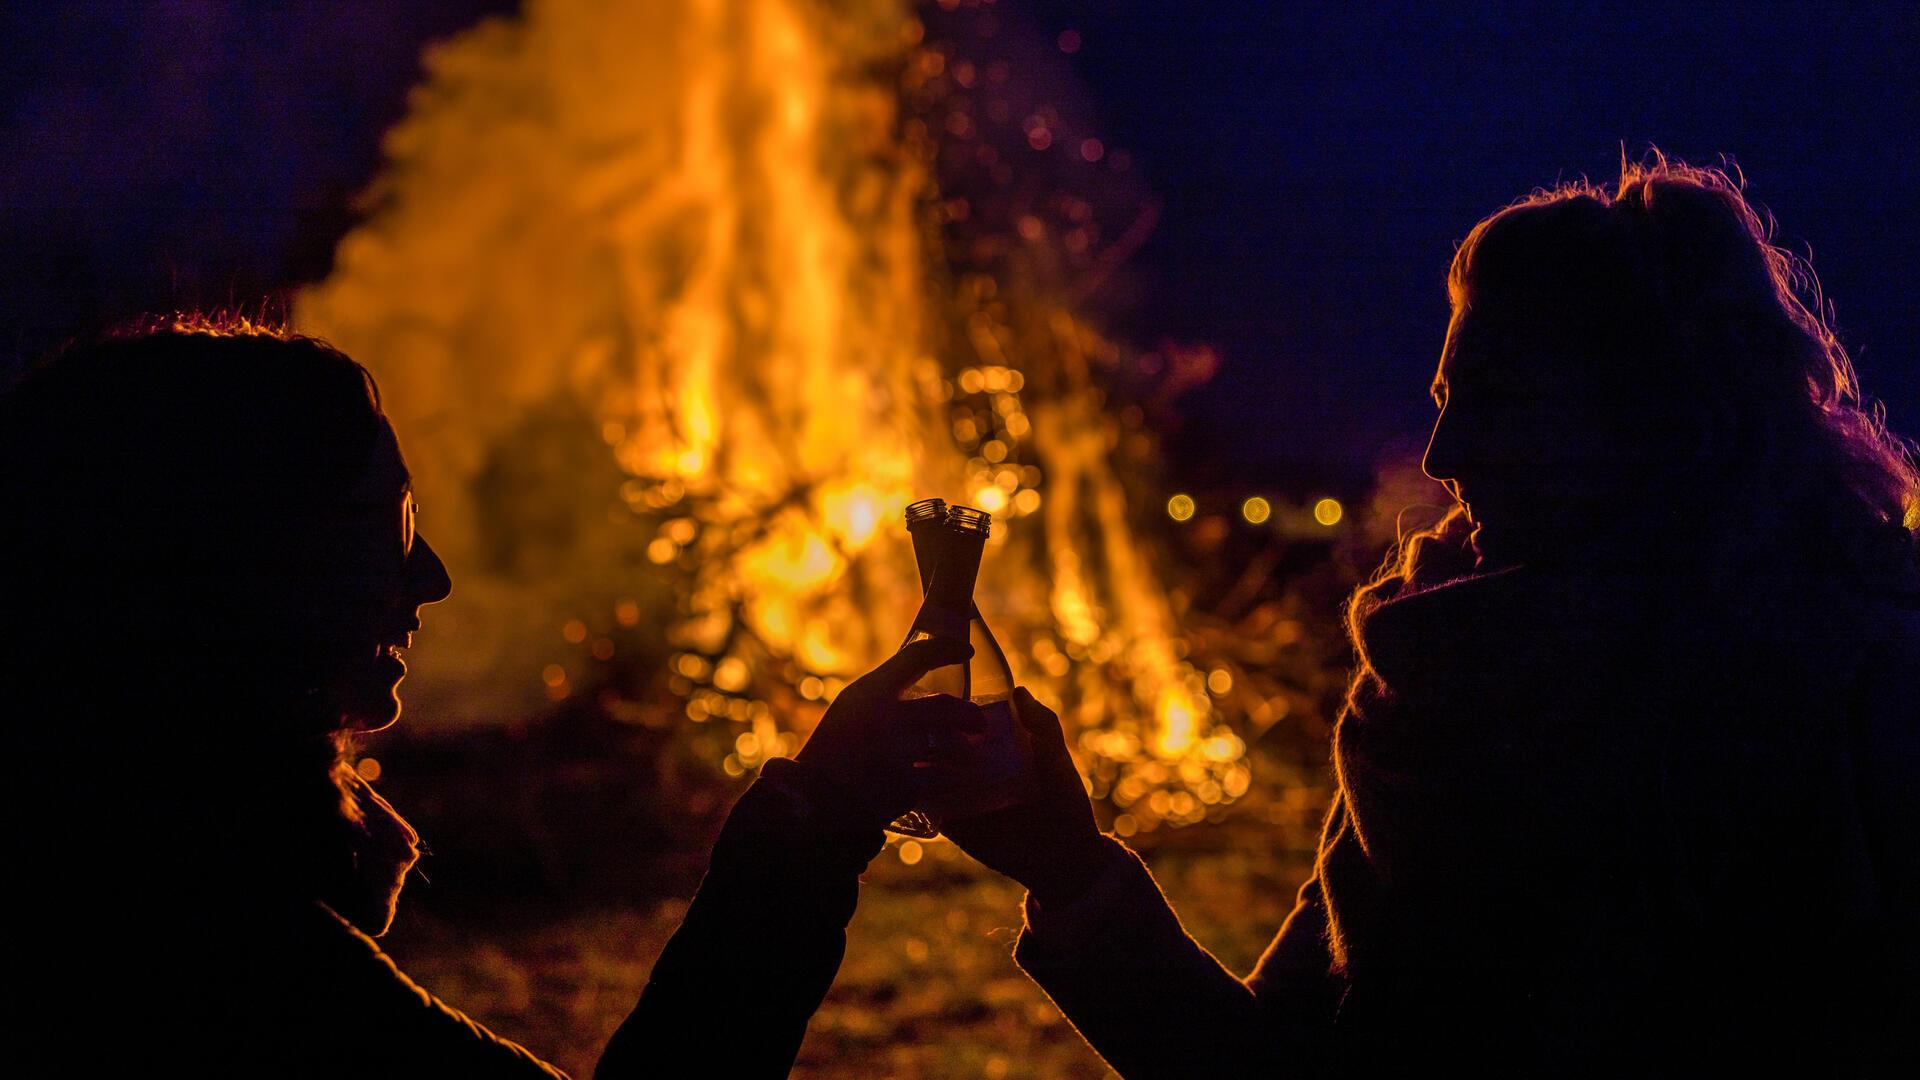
(925, 520)
(926, 537)
(955, 564)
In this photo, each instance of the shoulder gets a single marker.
(342, 957)
(331, 993)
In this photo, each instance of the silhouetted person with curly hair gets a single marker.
(1628, 777)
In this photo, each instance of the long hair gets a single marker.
(1672, 279)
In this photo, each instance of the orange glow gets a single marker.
(661, 343)
(1176, 716)
(990, 498)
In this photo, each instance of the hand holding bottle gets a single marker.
(978, 752)
(1047, 840)
(870, 742)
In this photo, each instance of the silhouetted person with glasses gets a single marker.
(210, 565)
(1629, 770)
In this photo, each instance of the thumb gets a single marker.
(905, 667)
(1043, 727)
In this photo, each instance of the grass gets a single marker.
(928, 989)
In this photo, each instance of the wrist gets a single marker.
(823, 795)
(1069, 872)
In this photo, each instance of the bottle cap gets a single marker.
(968, 519)
(926, 511)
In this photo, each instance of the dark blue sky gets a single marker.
(1317, 163)
(1314, 163)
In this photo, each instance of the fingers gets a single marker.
(1043, 727)
(1030, 708)
(905, 667)
(930, 724)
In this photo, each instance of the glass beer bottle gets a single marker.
(975, 768)
(924, 519)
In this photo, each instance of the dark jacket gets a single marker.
(1588, 822)
(138, 985)
(763, 939)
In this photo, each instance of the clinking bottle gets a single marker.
(977, 767)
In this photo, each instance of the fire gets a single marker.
(647, 288)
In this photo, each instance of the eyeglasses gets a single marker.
(367, 519)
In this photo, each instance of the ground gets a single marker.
(928, 990)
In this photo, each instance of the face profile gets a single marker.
(365, 627)
(1527, 440)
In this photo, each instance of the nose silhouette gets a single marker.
(427, 580)
(1439, 462)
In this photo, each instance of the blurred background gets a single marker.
(677, 306)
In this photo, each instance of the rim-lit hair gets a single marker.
(147, 478)
(1671, 282)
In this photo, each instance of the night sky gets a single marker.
(1314, 165)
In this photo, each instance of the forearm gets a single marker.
(1151, 999)
(762, 940)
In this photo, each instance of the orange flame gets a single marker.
(674, 250)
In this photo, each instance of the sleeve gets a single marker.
(763, 938)
(1154, 1003)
